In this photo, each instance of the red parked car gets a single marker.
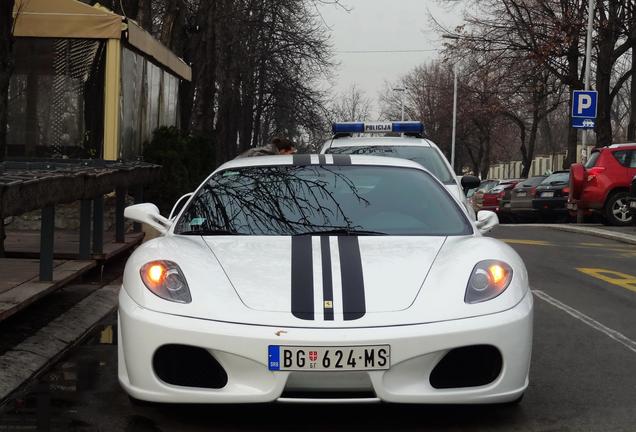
(492, 199)
(602, 184)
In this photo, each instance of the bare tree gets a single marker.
(350, 105)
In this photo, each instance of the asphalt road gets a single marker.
(583, 375)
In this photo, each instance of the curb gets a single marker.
(34, 354)
(597, 232)
(610, 235)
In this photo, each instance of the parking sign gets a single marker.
(584, 108)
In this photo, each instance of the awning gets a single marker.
(64, 19)
(144, 42)
(74, 19)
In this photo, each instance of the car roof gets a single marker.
(380, 141)
(315, 159)
(624, 145)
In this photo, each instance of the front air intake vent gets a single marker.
(188, 366)
(469, 366)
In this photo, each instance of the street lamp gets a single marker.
(454, 37)
(591, 7)
(402, 90)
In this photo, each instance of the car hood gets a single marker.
(269, 281)
(324, 276)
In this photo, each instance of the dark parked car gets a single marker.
(517, 203)
(551, 196)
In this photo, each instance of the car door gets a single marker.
(618, 174)
(631, 168)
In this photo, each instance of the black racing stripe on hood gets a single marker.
(340, 159)
(302, 278)
(327, 282)
(353, 299)
(302, 160)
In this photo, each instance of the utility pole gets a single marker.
(454, 116)
(402, 90)
(591, 8)
(455, 69)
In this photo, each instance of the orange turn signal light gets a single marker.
(497, 273)
(156, 273)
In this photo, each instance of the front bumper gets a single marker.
(242, 352)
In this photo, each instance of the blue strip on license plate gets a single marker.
(274, 357)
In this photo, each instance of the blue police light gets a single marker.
(406, 127)
(348, 127)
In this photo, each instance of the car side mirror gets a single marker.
(470, 182)
(148, 214)
(486, 220)
(179, 205)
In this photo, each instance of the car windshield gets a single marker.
(428, 157)
(533, 181)
(592, 160)
(561, 177)
(487, 185)
(342, 200)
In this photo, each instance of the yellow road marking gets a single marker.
(528, 242)
(622, 280)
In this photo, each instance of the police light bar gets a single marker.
(407, 127)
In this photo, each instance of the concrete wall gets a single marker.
(540, 165)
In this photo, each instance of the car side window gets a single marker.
(622, 157)
(632, 159)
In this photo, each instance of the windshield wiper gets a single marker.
(344, 232)
(208, 232)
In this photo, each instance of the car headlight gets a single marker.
(488, 279)
(165, 279)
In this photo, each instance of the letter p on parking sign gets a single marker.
(584, 104)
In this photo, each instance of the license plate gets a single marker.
(571, 206)
(348, 358)
(632, 204)
(506, 205)
(547, 194)
(521, 194)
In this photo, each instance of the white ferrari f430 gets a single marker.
(322, 278)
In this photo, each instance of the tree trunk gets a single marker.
(574, 83)
(603, 83)
(229, 84)
(172, 24)
(204, 72)
(143, 14)
(531, 142)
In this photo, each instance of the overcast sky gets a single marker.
(384, 25)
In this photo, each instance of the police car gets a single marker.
(411, 145)
(322, 278)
